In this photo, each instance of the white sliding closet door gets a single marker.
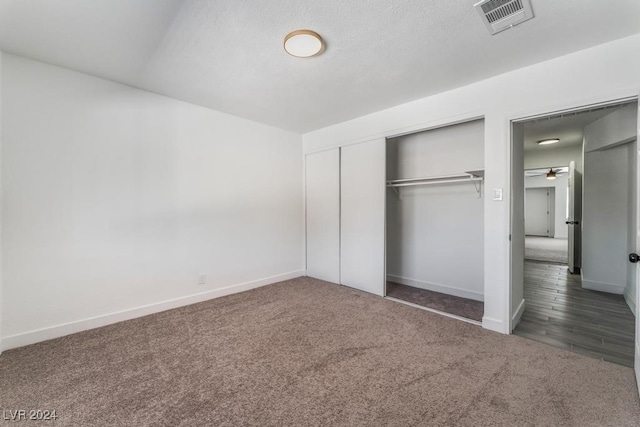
(362, 242)
(323, 215)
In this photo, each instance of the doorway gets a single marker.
(571, 285)
(545, 214)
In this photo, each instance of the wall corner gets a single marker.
(1, 201)
(495, 325)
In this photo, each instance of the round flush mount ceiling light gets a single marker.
(303, 43)
(548, 141)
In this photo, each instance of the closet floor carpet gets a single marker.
(463, 307)
(309, 353)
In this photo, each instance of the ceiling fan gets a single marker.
(551, 174)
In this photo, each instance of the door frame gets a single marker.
(520, 119)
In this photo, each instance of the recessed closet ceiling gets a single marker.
(228, 55)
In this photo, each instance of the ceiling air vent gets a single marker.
(499, 15)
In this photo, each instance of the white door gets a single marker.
(322, 178)
(573, 219)
(536, 212)
(362, 214)
(637, 342)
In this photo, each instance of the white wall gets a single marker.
(435, 233)
(605, 219)
(608, 202)
(1, 310)
(617, 127)
(115, 200)
(602, 73)
(560, 229)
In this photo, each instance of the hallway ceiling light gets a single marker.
(303, 43)
(551, 174)
(548, 141)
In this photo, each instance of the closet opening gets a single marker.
(435, 220)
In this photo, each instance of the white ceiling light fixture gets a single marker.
(303, 43)
(548, 141)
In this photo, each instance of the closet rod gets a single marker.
(465, 175)
(431, 181)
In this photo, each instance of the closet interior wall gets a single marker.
(435, 233)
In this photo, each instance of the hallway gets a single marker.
(560, 313)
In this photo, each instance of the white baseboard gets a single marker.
(603, 287)
(517, 315)
(57, 331)
(463, 293)
(495, 325)
(630, 302)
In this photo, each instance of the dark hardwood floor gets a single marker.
(560, 313)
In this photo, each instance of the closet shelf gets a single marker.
(475, 177)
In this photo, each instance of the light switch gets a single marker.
(497, 194)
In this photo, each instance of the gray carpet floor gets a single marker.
(463, 307)
(546, 249)
(308, 353)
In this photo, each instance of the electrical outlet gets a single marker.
(202, 279)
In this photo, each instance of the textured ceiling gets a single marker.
(227, 54)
